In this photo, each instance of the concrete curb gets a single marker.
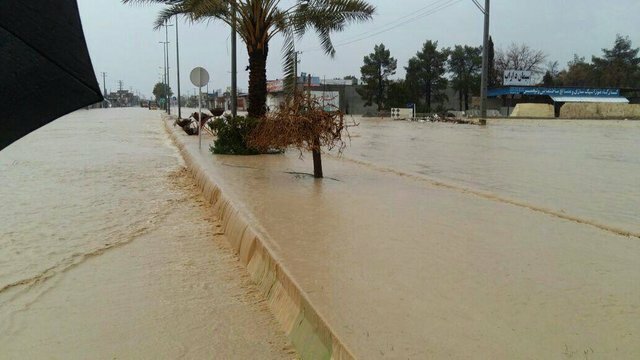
(307, 330)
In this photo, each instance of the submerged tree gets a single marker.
(425, 73)
(377, 68)
(259, 21)
(304, 124)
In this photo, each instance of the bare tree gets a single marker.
(520, 57)
(304, 124)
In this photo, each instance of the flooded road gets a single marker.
(108, 251)
(588, 170)
(404, 266)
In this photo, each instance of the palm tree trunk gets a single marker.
(257, 81)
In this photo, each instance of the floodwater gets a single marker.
(465, 265)
(585, 170)
(108, 251)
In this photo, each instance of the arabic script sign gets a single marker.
(517, 77)
(572, 92)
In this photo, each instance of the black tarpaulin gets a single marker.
(45, 69)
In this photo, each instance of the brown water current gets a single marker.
(107, 251)
(587, 170)
(409, 265)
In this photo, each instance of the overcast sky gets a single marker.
(123, 44)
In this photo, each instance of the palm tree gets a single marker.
(258, 21)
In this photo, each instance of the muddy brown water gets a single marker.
(107, 250)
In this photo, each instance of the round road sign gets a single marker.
(199, 77)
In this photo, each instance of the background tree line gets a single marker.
(432, 70)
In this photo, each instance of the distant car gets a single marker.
(153, 106)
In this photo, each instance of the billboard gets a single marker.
(517, 77)
(275, 86)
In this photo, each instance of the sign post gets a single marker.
(199, 77)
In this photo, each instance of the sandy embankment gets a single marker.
(396, 267)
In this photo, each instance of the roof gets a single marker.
(594, 99)
(554, 91)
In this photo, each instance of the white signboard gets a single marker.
(517, 77)
(401, 113)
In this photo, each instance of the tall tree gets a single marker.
(618, 66)
(550, 77)
(578, 73)
(398, 94)
(259, 21)
(375, 72)
(520, 57)
(465, 66)
(425, 73)
(495, 80)
(160, 91)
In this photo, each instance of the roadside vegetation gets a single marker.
(434, 68)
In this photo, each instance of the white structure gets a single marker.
(330, 100)
(402, 113)
(517, 78)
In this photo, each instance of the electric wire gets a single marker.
(411, 18)
(478, 6)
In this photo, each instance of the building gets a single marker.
(507, 97)
(122, 98)
(333, 93)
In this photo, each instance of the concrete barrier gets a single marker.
(307, 330)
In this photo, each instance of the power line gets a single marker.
(478, 6)
(392, 23)
(446, 4)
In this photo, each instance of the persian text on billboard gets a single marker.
(517, 77)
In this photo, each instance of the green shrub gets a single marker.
(232, 135)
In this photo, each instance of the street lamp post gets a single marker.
(166, 36)
(164, 70)
(178, 68)
(485, 66)
(234, 69)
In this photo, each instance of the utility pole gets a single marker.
(120, 85)
(295, 71)
(234, 68)
(166, 36)
(485, 66)
(164, 70)
(178, 68)
(104, 87)
(104, 83)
